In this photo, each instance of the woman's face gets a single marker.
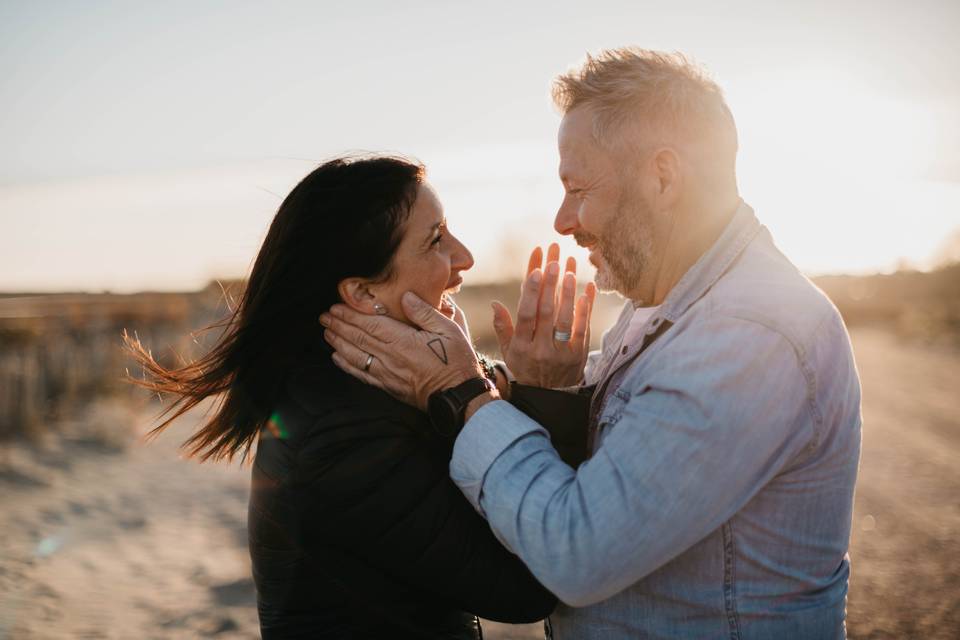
(428, 261)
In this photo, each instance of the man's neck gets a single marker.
(691, 236)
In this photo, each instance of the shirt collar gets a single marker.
(738, 233)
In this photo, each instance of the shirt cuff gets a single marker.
(491, 430)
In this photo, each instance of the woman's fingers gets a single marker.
(360, 374)
(358, 336)
(536, 260)
(380, 328)
(568, 296)
(350, 353)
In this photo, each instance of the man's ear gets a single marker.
(666, 169)
(355, 293)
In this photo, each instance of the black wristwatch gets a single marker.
(447, 406)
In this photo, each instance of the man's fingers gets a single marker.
(527, 308)
(582, 315)
(536, 260)
(568, 296)
(581, 321)
(502, 326)
(547, 308)
(571, 265)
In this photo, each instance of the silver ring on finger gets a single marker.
(561, 336)
(366, 365)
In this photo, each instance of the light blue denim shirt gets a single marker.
(718, 497)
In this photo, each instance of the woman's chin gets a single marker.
(445, 306)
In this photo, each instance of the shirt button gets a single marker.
(624, 350)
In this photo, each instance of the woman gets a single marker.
(355, 529)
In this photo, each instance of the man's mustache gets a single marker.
(585, 239)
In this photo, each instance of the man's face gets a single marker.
(603, 207)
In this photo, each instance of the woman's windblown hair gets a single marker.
(346, 218)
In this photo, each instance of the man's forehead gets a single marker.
(576, 127)
(575, 143)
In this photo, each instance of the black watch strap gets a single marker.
(447, 407)
(464, 392)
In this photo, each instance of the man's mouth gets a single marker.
(595, 253)
(585, 240)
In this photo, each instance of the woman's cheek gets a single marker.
(436, 281)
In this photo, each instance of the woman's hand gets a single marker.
(452, 310)
(531, 349)
(407, 362)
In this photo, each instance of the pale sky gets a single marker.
(147, 145)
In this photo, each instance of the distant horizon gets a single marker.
(10, 293)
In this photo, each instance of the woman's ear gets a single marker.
(355, 293)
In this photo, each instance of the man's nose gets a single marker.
(566, 221)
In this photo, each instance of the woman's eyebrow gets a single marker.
(433, 230)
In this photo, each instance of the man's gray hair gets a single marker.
(661, 92)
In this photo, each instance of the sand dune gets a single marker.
(102, 536)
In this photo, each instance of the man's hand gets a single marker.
(529, 349)
(409, 364)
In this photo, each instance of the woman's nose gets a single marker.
(461, 259)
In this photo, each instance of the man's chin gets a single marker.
(606, 282)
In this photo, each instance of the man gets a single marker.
(725, 416)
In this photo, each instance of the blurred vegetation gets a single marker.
(915, 305)
(59, 352)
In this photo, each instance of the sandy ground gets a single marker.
(104, 537)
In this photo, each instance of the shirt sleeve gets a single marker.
(382, 495)
(713, 422)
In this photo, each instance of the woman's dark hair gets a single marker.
(345, 219)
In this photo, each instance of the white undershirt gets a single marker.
(634, 332)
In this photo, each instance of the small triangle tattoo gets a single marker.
(436, 345)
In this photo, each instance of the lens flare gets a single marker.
(276, 428)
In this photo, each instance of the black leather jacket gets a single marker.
(357, 531)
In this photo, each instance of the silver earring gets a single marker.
(380, 309)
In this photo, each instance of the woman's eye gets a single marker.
(436, 241)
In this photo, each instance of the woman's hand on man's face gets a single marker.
(530, 349)
(408, 363)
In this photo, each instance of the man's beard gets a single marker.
(624, 247)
